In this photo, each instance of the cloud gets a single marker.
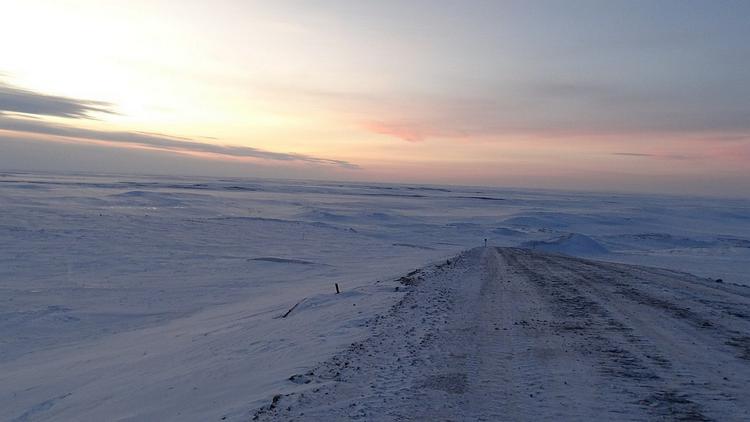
(407, 132)
(411, 131)
(35, 104)
(18, 100)
(633, 154)
(541, 105)
(656, 156)
(158, 141)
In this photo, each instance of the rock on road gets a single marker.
(511, 334)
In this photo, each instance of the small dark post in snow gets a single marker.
(286, 314)
(485, 243)
(337, 288)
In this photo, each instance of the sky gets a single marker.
(650, 96)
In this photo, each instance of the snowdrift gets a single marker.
(569, 244)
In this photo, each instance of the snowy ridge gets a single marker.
(575, 244)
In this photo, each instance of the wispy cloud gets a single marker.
(158, 141)
(543, 105)
(633, 154)
(412, 131)
(18, 100)
(38, 105)
(656, 156)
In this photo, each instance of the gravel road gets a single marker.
(509, 334)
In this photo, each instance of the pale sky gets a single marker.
(609, 95)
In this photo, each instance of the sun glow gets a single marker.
(361, 84)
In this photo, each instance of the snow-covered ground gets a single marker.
(515, 335)
(161, 298)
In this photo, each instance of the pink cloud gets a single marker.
(412, 131)
(406, 131)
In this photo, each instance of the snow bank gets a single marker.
(569, 244)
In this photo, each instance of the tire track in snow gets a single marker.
(511, 334)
